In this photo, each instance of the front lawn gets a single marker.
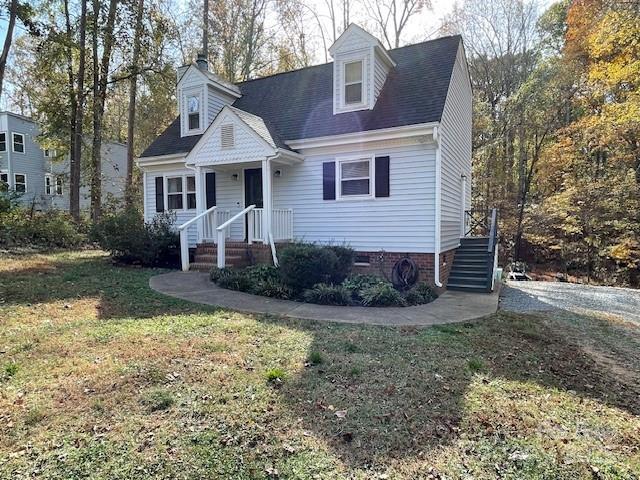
(100, 377)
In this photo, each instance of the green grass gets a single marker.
(102, 378)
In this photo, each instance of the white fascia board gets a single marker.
(366, 136)
(234, 92)
(160, 159)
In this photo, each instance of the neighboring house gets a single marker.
(41, 176)
(372, 150)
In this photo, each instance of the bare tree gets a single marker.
(392, 16)
(76, 157)
(133, 90)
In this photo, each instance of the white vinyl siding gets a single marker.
(402, 222)
(379, 77)
(456, 154)
(216, 101)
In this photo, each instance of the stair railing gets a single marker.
(222, 236)
(184, 240)
(476, 222)
(492, 250)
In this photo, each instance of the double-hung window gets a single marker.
(193, 106)
(3, 142)
(4, 181)
(20, 182)
(18, 142)
(174, 193)
(353, 83)
(52, 184)
(181, 191)
(355, 177)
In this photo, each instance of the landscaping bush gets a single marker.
(357, 283)
(382, 295)
(273, 287)
(235, 280)
(344, 265)
(129, 239)
(51, 229)
(324, 294)
(304, 265)
(420, 294)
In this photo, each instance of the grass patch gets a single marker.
(156, 400)
(315, 358)
(107, 379)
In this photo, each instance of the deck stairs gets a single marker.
(471, 265)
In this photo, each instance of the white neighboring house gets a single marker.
(372, 150)
(42, 176)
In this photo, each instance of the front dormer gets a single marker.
(201, 95)
(360, 68)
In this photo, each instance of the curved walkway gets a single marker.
(450, 307)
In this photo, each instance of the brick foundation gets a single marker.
(381, 263)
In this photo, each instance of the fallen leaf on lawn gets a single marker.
(341, 413)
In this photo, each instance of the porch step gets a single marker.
(470, 268)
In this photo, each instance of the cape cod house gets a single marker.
(372, 150)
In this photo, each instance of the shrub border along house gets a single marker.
(322, 275)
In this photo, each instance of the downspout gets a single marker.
(438, 212)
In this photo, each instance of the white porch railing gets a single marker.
(281, 225)
(211, 222)
(184, 237)
(222, 234)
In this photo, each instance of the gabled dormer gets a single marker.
(201, 94)
(360, 68)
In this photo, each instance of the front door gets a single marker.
(252, 192)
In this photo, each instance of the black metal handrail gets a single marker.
(491, 248)
(476, 222)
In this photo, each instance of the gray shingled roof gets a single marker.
(298, 104)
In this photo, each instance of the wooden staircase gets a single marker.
(237, 255)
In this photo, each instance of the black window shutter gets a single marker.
(329, 181)
(382, 176)
(159, 194)
(210, 186)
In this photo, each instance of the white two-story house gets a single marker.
(372, 150)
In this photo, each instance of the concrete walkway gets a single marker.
(450, 307)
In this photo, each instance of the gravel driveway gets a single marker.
(547, 296)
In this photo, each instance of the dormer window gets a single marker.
(353, 83)
(193, 105)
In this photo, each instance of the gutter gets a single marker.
(438, 212)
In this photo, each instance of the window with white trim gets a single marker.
(191, 192)
(18, 142)
(4, 181)
(49, 153)
(193, 111)
(20, 182)
(353, 83)
(355, 177)
(3, 142)
(52, 184)
(174, 193)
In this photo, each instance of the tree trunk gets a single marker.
(133, 90)
(76, 158)
(100, 78)
(70, 84)
(13, 11)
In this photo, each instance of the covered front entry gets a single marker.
(238, 150)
